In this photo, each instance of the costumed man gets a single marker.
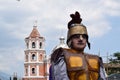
(74, 63)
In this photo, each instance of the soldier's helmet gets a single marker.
(76, 27)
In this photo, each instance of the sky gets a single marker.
(17, 18)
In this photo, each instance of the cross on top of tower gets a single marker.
(35, 24)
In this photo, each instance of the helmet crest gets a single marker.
(76, 19)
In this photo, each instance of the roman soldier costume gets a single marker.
(69, 64)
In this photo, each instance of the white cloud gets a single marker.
(111, 7)
(98, 30)
(10, 57)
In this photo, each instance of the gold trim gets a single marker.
(77, 29)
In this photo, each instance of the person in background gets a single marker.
(74, 63)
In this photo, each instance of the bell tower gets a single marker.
(35, 63)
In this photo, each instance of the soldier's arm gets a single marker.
(102, 71)
(60, 71)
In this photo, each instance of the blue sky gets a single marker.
(102, 19)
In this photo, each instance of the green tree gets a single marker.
(116, 58)
(117, 54)
(15, 78)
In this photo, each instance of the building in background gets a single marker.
(36, 64)
(62, 44)
(112, 68)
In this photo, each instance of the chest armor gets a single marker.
(81, 66)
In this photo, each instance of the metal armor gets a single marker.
(81, 66)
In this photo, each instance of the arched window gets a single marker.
(26, 57)
(33, 70)
(40, 44)
(33, 45)
(27, 45)
(33, 57)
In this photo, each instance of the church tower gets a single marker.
(36, 66)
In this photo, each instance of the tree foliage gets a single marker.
(117, 54)
(115, 58)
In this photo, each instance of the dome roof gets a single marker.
(61, 44)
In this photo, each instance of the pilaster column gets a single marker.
(30, 45)
(37, 70)
(37, 57)
(29, 57)
(28, 70)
